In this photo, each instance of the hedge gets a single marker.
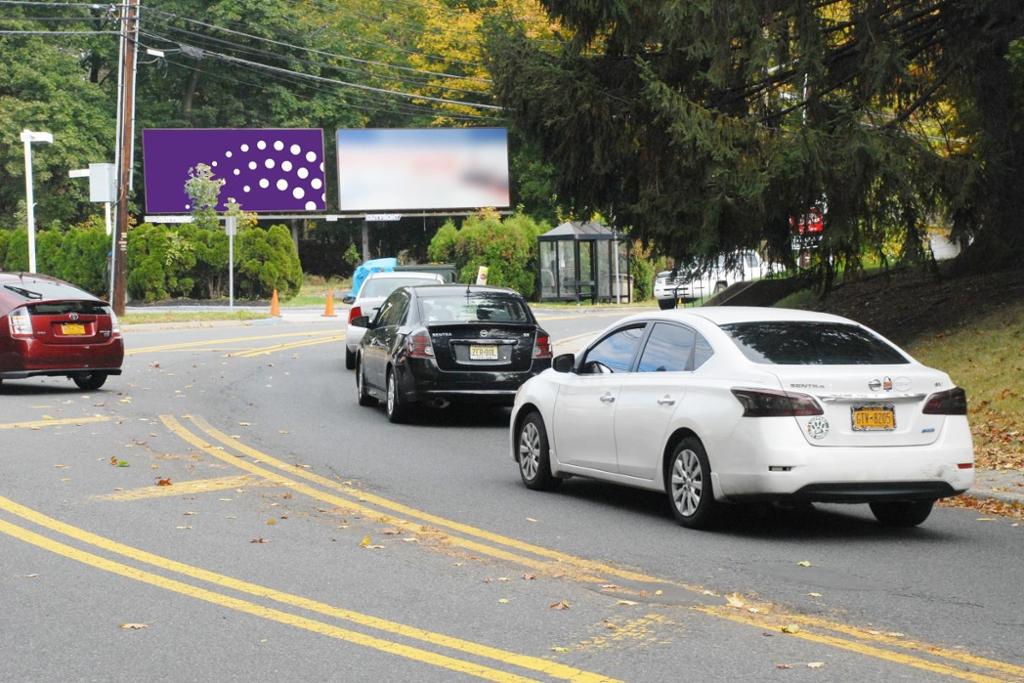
(184, 261)
(507, 247)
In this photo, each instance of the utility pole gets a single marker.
(126, 137)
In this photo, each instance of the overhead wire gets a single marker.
(281, 43)
(360, 86)
(413, 81)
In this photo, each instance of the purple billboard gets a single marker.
(263, 169)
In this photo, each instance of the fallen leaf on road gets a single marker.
(561, 604)
(123, 463)
(558, 648)
(815, 595)
(529, 577)
(271, 522)
(411, 539)
(659, 592)
(896, 634)
(627, 603)
(502, 601)
(530, 519)
(503, 579)
(161, 481)
(734, 600)
(134, 627)
(791, 628)
(753, 610)
(258, 540)
(783, 666)
(182, 527)
(62, 467)
(391, 532)
(366, 541)
(803, 563)
(815, 665)
(244, 424)
(113, 460)
(188, 514)
(984, 519)
(608, 587)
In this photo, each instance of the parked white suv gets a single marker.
(692, 282)
(375, 288)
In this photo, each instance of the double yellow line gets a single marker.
(934, 659)
(212, 344)
(267, 350)
(465, 647)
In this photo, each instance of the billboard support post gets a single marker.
(366, 240)
(231, 227)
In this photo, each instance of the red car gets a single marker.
(49, 327)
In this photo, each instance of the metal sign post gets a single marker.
(231, 227)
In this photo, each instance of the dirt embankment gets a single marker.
(905, 304)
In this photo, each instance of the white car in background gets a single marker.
(732, 404)
(375, 288)
(692, 282)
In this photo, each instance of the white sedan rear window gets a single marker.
(811, 343)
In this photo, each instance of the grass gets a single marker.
(314, 291)
(192, 316)
(986, 358)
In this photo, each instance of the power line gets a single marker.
(282, 43)
(415, 82)
(59, 33)
(359, 86)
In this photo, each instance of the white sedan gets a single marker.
(731, 404)
(375, 288)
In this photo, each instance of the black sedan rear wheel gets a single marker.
(395, 407)
(90, 381)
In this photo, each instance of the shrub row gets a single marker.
(185, 261)
(507, 247)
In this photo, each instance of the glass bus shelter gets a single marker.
(584, 262)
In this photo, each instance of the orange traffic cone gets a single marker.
(275, 305)
(329, 307)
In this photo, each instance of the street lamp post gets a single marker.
(28, 137)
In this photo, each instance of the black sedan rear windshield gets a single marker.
(811, 343)
(474, 308)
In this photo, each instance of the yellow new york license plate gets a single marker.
(72, 329)
(874, 418)
(482, 352)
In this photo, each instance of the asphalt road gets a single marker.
(226, 511)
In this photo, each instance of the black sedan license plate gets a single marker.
(483, 352)
(873, 418)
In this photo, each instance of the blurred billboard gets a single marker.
(418, 169)
(263, 169)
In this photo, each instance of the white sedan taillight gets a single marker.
(21, 322)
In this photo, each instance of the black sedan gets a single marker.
(436, 344)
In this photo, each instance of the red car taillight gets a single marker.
(20, 322)
(418, 345)
(354, 313)
(951, 402)
(542, 347)
(115, 324)
(772, 403)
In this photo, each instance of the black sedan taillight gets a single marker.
(773, 403)
(951, 402)
(418, 345)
